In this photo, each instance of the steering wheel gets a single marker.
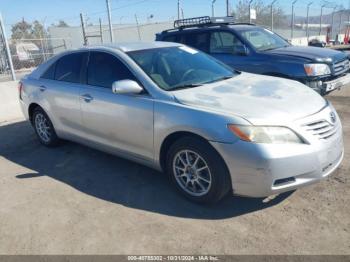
(187, 74)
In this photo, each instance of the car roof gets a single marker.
(132, 46)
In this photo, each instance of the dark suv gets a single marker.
(254, 49)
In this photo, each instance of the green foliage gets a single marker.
(25, 30)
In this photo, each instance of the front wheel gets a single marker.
(44, 128)
(197, 170)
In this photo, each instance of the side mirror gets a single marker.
(241, 50)
(126, 87)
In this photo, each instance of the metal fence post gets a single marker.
(292, 25)
(101, 33)
(227, 8)
(250, 6)
(273, 2)
(110, 21)
(137, 26)
(332, 26)
(307, 21)
(83, 28)
(213, 8)
(7, 49)
(321, 18)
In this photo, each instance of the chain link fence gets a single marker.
(27, 54)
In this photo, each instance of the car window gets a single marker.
(199, 41)
(68, 68)
(104, 69)
(50, 72)
(225, 43)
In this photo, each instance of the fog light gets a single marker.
(279, 182)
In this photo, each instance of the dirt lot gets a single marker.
(76, 200)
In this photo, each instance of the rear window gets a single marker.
(199, 41)
(68, 68)
(50, 72)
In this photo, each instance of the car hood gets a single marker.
(316, 54)
(259, 99)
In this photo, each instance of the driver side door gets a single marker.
(229, 49)
(120, 123)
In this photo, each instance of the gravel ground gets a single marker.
(76, 200)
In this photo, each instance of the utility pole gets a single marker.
(307, 20)
(83, 29)
(273, 2)
(227, 7)
(110, 21)
(321, 18)
(213, 8)
(250, 15)
(9, 57)
(178, 9)
(292, 25)
(138, 29)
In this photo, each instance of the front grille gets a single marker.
(341, 67)
(322, 129)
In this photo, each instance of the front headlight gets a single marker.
(317, 69)
(266, 134)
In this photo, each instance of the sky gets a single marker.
(123, 11)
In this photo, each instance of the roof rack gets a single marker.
(202, 21)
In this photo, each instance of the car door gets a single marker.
(119, 122)
(228, 48)
(60, 89)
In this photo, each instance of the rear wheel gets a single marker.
(197, 170)
(44, 128)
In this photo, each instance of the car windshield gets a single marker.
(262, 39)
(180, 67)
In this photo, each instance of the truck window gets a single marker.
(199, 41)
(224, 43)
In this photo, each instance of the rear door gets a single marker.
(60, 88)
(118, 122)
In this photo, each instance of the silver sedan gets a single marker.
(213, 130)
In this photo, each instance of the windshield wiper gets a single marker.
(271, 48)
(219, 79)
(179, 87)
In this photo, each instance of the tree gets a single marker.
(21, 30)
(62, 23)
(263, 13)
(25, 30)
(38, 30)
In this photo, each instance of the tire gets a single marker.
(44, 129)
(211, 183)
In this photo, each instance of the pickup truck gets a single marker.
(250, 48)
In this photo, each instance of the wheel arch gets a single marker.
(172, 138)
(31, 109)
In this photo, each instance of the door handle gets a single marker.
(42, 88)
(87, 98)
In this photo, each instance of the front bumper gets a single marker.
(260, 170)
(337, 83)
